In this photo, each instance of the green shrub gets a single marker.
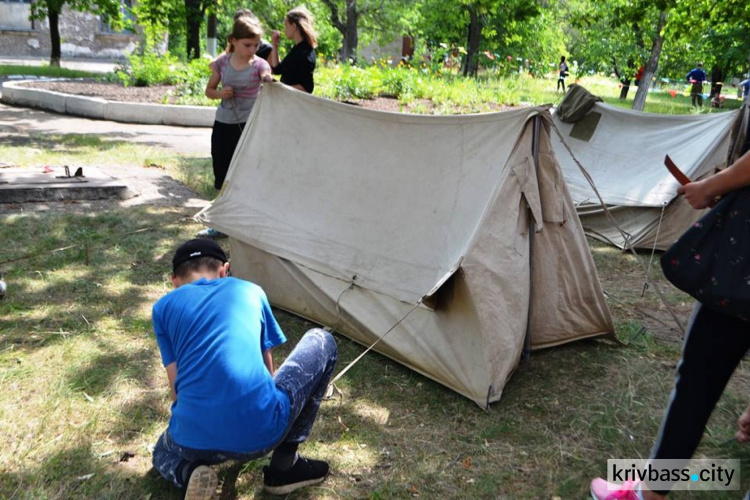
(355, 83)
(401, 83)
(191, 90)
(149, 68)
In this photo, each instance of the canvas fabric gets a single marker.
(624, 156)
(354, 215)
(577, 102)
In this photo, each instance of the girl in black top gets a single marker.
(297, 68)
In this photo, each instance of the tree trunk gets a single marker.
(349, 48)
(347, 28)
(193, 18)
(54, 35)
(211, 30)
(471, 62)
(717, 77)
(653, 64)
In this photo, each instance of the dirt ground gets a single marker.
(164, 94)
(160, 94)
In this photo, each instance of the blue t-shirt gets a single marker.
(216, 331)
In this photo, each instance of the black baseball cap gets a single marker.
(195, 249)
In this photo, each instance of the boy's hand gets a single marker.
(268, 78)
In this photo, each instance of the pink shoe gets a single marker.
(603, 490)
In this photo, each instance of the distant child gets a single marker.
(564, 72)
(240, 73)
(696, 77)
(297, 68)
(216, 335)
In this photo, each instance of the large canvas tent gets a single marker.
(623, 151)
(362, 220)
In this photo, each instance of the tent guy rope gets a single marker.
(355, 360)
(653, 249)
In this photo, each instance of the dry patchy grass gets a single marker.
(83, 396)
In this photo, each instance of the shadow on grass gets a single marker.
(116, 267)
(77, 473)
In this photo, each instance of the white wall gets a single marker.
(15, 16)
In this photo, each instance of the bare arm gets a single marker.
(212, 91)
(699, 194)
(268, 360)
(273, 59)
(172, 376)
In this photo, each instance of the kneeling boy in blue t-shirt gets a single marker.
(215, 334)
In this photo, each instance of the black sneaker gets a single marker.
(304, 472)
(201, 483)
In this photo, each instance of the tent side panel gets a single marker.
(443, 343)
(391, 198)
(568, 302)
(644, 227)
(497, 265)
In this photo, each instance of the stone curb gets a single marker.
(13, 92)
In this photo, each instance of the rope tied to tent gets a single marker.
(653, 249)
(338, 300)
(611, 218)
(353, 362)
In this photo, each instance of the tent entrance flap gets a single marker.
(430, 299)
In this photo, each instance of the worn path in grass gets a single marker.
(17, 124)
(153, 186)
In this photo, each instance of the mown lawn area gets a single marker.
(83, 395)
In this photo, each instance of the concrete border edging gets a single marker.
(93, 107)
(90, 107)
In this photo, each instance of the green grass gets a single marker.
(82, 387)
(48, 71)
(450, 93)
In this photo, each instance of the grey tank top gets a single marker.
(246, 84)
